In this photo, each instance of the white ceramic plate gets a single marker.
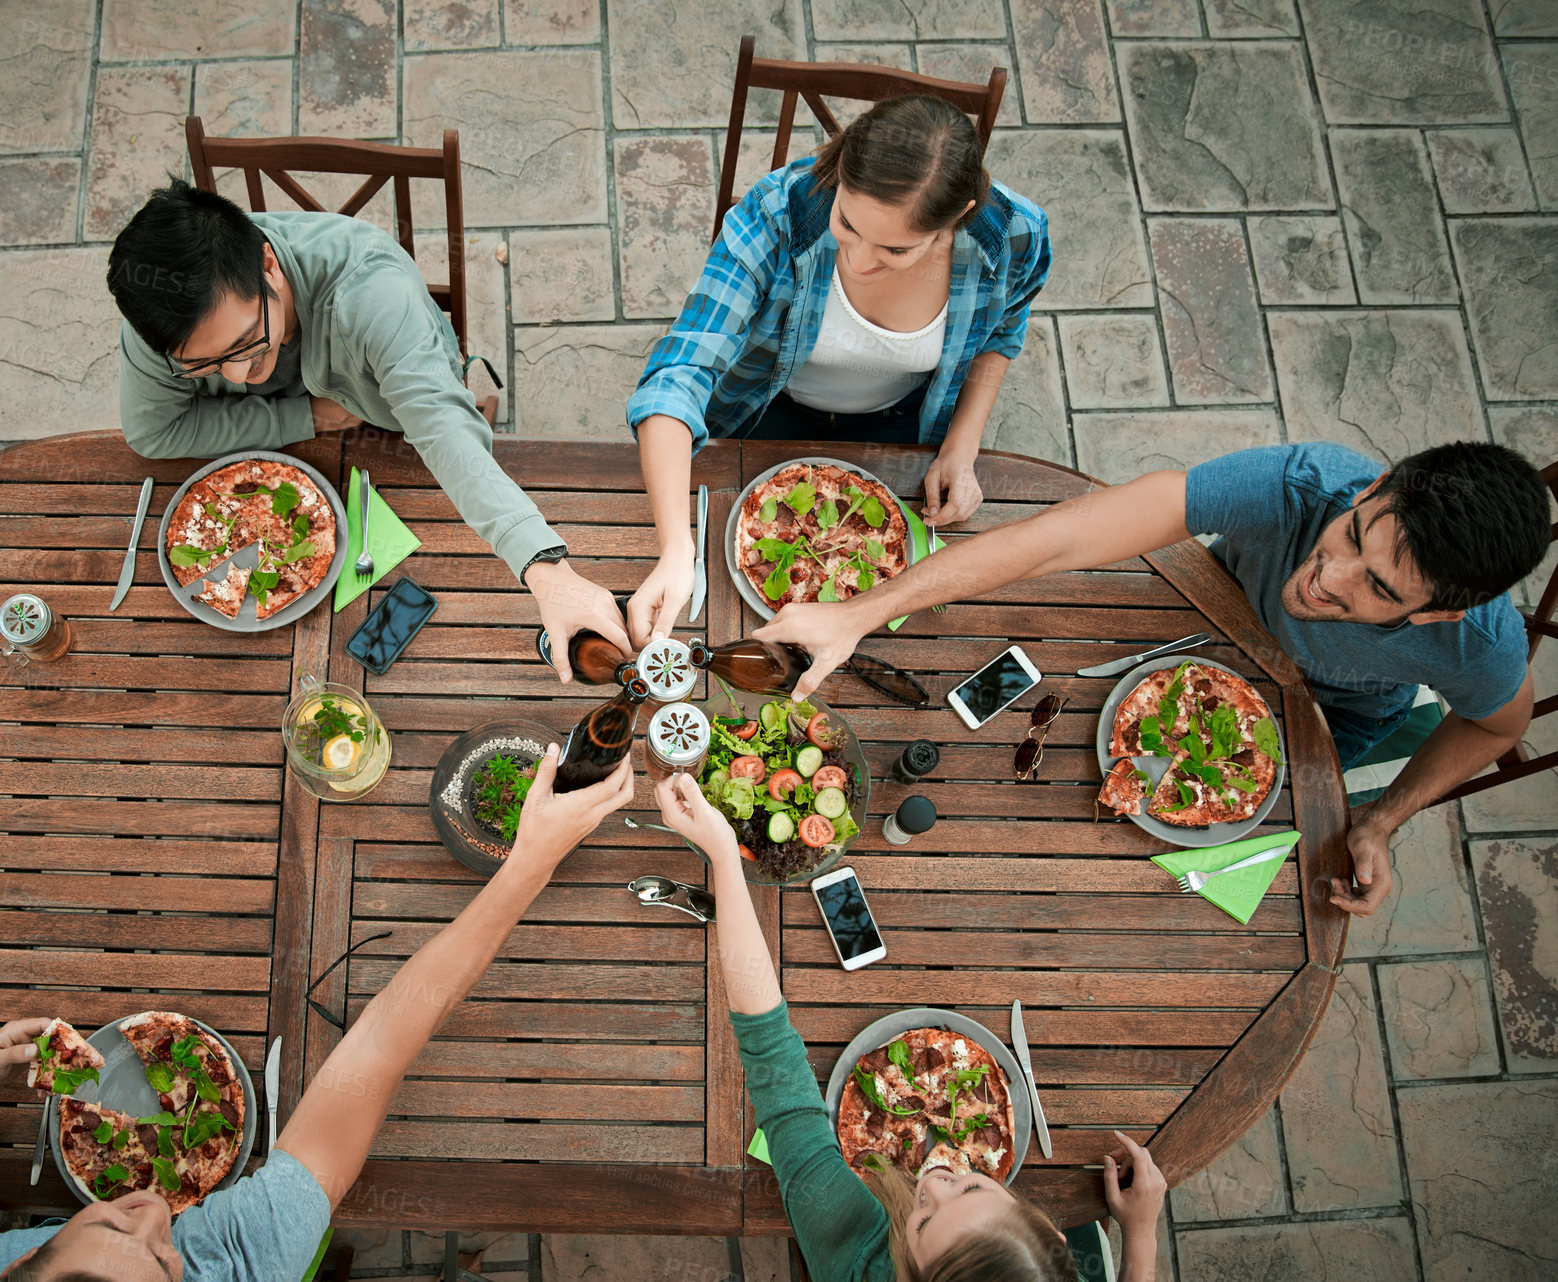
(1157, 767)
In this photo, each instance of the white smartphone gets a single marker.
(1007, 677)
(848, 918)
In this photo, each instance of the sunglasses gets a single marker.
(892, 681)
(1031, 750)
(655, 889)
(329, 1016)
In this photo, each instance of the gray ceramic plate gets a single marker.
(250, 556)
(1157, 767)
(875, 1036)
(750, 594)
(122, 1085)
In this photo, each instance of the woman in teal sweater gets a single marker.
(943, 1228)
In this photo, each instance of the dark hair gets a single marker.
(917, 151)
(1473, 516)
(183, 253)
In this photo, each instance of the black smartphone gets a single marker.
(387, 631)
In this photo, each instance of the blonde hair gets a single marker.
(1022, 1246)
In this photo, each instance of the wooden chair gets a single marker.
(378, 163)
(811, 80)
(1516, 764)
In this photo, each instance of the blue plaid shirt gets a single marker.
(752, 319)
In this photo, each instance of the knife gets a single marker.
(128, 572)
(272, 1092)
(1116, 666)
(43, 1139)
(1025, 1061)
(700, 567)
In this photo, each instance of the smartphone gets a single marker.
(848, 918)
(1007, 677)
(387, 631)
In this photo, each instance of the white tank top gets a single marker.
(857, 367)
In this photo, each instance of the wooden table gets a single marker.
(159, 855)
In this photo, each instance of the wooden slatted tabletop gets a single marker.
(158, 854)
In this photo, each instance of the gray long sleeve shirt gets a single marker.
(371, 339)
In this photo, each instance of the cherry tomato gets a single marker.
(748, 768)
(783, 783)
(830, 777)
(745, 852)
(747, 731)
(821, 732)
(816, 831)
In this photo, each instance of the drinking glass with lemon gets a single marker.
(336, 746)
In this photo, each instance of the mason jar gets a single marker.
(30, 632)
(677, 741)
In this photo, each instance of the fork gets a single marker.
(364, 566)
(1195, 879)
(930, 546)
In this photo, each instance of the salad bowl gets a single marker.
(784, 845)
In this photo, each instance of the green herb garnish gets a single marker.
(898, 1053)
(1264, 732)
(867, 1083)
(203, 1127)
(769, 510)
(160, 1078)
(167, 1173)
(111, 1178)
(68, 1080)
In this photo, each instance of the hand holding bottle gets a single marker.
(550, 825)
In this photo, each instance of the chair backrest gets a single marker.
(813, 80)
(1515, 764)
(378, 163)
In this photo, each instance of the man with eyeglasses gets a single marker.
(1373, 582)
(266, 1227)
(256, 331)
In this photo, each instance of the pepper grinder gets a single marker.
(916, 815)
(919, 758)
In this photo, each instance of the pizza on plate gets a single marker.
(819, 532)
(259, 503)
(182, 1152)
(65, 1060)
(929, 1098)
(1216, 733)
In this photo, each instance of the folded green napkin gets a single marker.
(919, 538)
(1239, 893)
(758, 1148)
(389, 541)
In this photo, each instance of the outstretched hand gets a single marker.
(821, 630)
(652, 610)
(16, 1047)
(570, 603)
(551, 825)
(684, 808)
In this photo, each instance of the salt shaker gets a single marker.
(916, 815)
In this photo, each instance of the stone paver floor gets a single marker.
(1273, 220)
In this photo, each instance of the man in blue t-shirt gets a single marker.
(1372, 582)
(266, 1227)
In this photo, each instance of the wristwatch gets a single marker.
(550, 555)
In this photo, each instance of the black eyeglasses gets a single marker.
(1031, 750)
(248, 355)
(330, 1016)
(892, 681)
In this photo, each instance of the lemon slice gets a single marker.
(340, 753)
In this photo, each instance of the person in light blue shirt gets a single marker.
(888, 276)
(1373, 582)
(266, 1227)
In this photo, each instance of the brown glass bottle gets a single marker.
(762, 666)
(601, 739)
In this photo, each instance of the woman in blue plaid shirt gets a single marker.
(876, 292)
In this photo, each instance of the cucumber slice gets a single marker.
(771, 715)
(781, 827)
(831, 803)
(808, 761)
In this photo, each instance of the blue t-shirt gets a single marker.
(264, 1227)
(1270, 505)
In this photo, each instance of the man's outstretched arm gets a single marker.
(1111, 523)
(333, 1126)
(1452, 754)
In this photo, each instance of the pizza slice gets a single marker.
(65, 1060)
(182, 1062)
(1180, 799)
(103, 1150)
(1125, 788)
(225, 595)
